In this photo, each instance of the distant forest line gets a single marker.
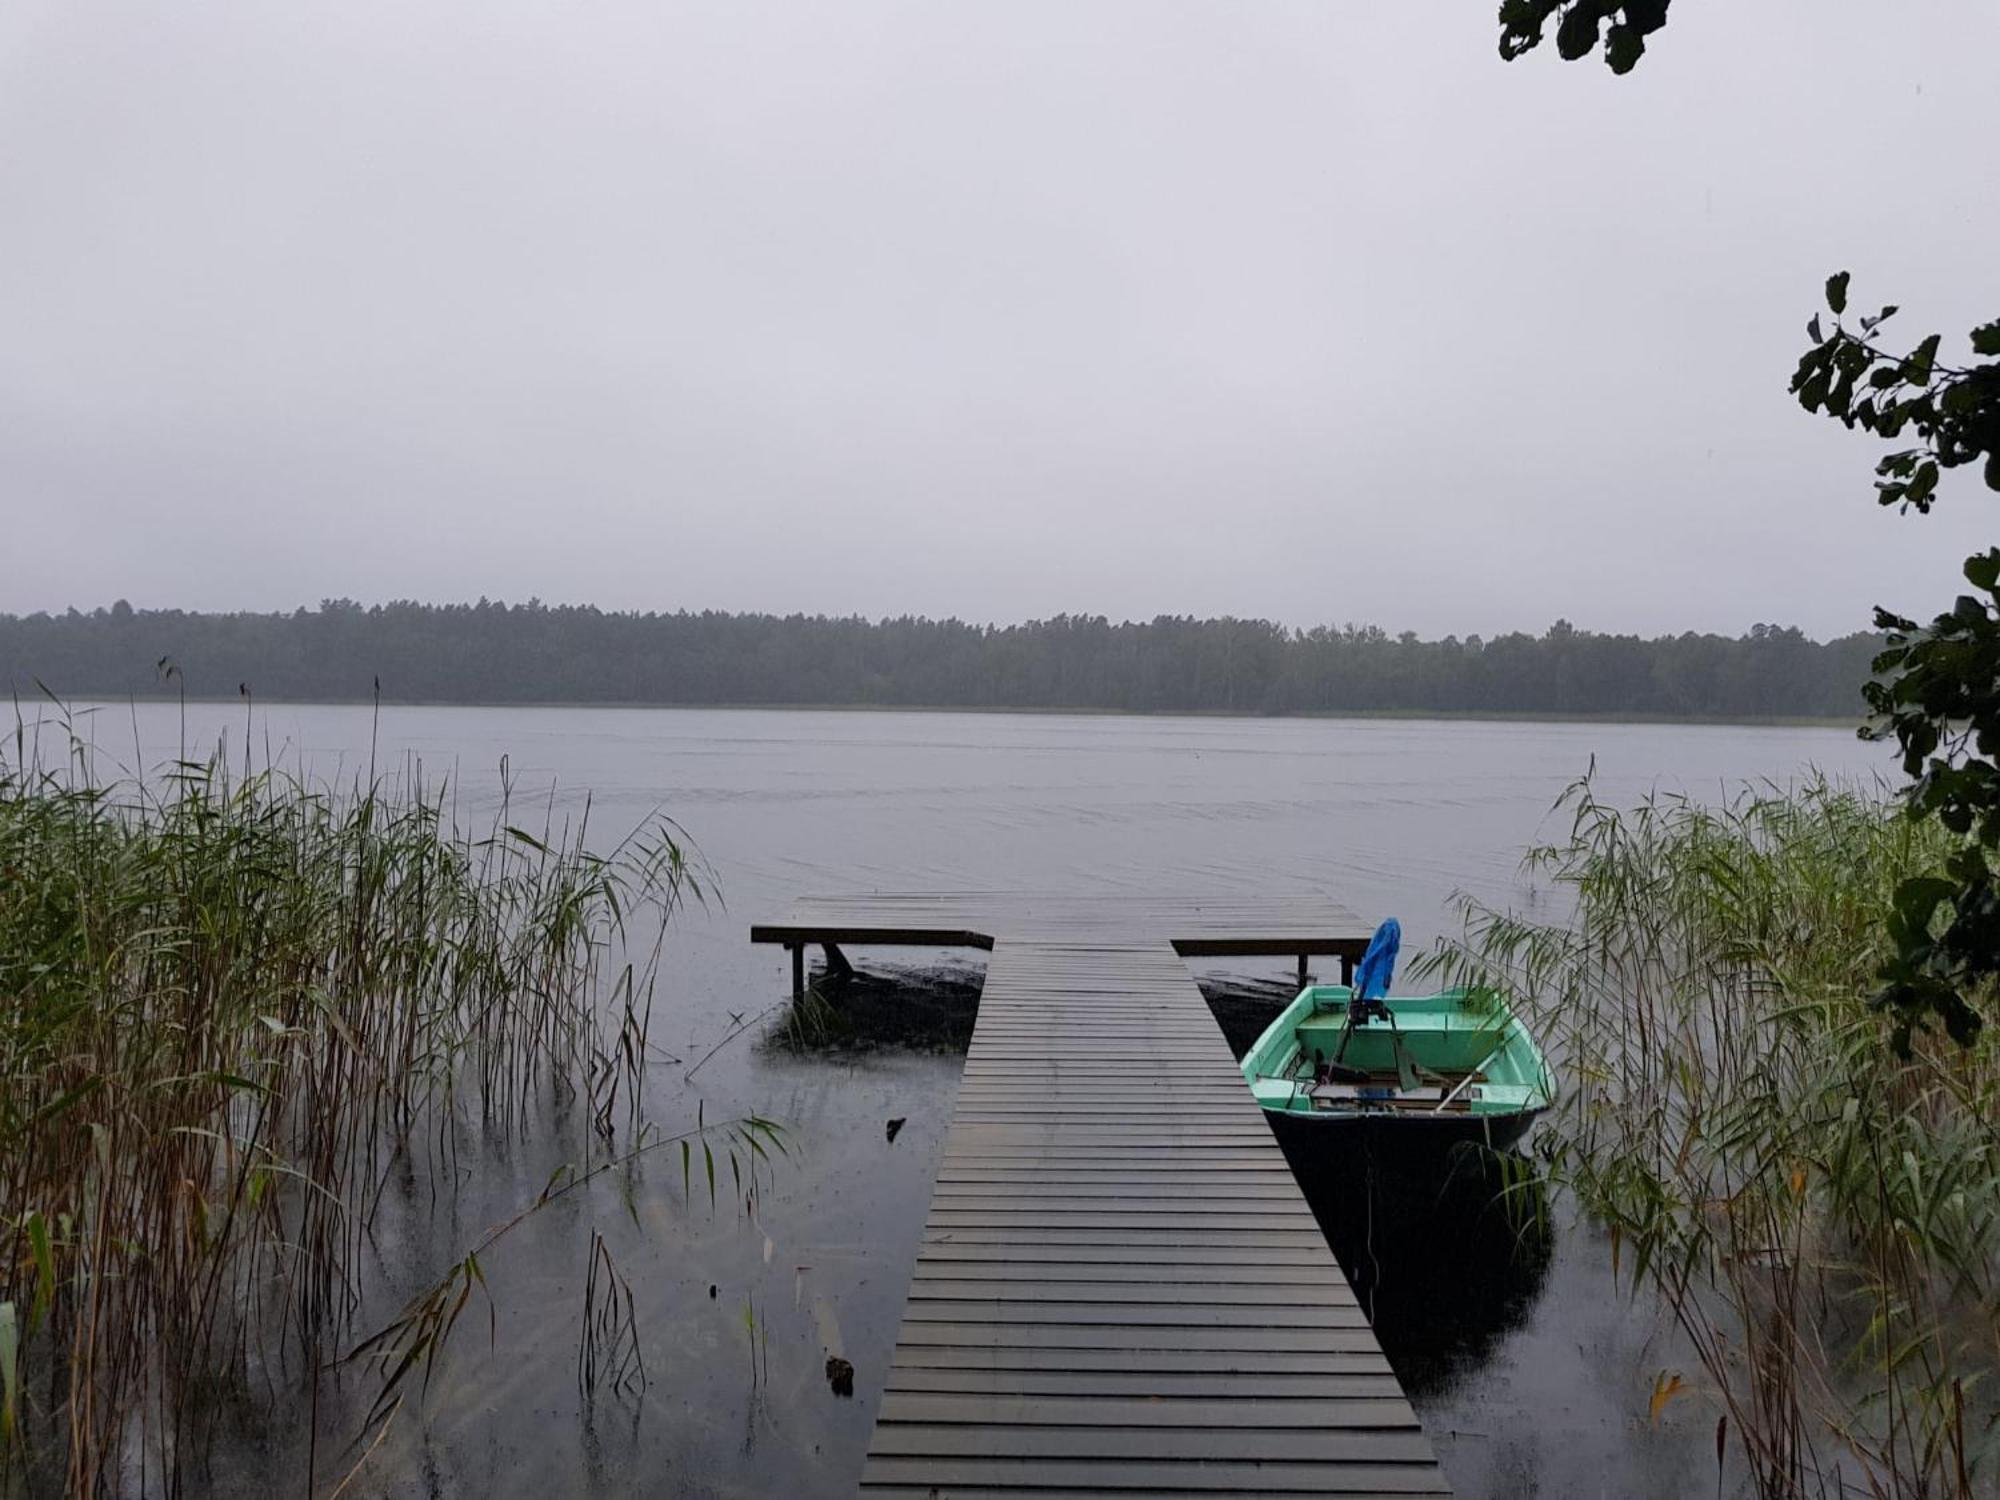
(536, 653)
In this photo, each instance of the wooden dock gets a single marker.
(1305, 927)
(1120, 1287)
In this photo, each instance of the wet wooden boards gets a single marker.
(1120, 1288)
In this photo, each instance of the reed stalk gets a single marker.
(232, 1005)
(1821, 1217)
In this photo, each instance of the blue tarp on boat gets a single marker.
(1378, 964)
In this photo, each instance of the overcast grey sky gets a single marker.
(1313, 311)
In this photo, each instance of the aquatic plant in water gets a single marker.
(1820, 1215)
(230, 1004)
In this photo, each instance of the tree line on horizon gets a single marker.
(532, 653)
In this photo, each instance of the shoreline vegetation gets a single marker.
(264, 1017)
(1819, 1215)
(533, 654)
(1391, 715)
(251, 1019)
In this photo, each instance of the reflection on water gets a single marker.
(1446, 1256)
(1446, 1252)
(1529, 1368)
(890, 1006)
(1454, 1256)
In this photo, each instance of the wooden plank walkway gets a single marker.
(1120, 1287)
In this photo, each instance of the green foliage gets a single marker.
(1621, 25)
(1939, 696)
(1953, 409)
(1942, 688)
(233, 1004)
(1938, 688)
(496, 653)
(1823, 1220)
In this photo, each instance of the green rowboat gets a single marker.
(1424, 1069)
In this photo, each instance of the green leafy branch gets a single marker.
(1580, 26)
(1954, 410)
(1937, 689)
(1938, 693)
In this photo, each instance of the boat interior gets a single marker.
(1434, 1054)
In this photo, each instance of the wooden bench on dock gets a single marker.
(1305, 927)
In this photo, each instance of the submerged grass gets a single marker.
(893, 1007)
(230, 1004)
(1821, 1217)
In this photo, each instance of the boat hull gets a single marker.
(1345, 1133)
(1414, 1078)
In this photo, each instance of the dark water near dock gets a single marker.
(1529, 1368)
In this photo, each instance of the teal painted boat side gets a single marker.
(1444, 1040)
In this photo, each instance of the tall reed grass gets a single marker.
(230, 1004)
(1821, 1217)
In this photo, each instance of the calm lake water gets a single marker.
(1531, 1374)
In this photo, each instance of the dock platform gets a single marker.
(1120, 1288)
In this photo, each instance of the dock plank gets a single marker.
(1110, 1303)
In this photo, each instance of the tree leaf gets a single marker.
(1623, 47)
(1646, 16)
(1665, 1387)
(1836, 292)
(1917, 368)
(1920, 487)
(1576, 33)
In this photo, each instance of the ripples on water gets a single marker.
(1529, 1368)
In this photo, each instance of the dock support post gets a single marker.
(1347, 968)
(798, 971)
(1304, 978)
